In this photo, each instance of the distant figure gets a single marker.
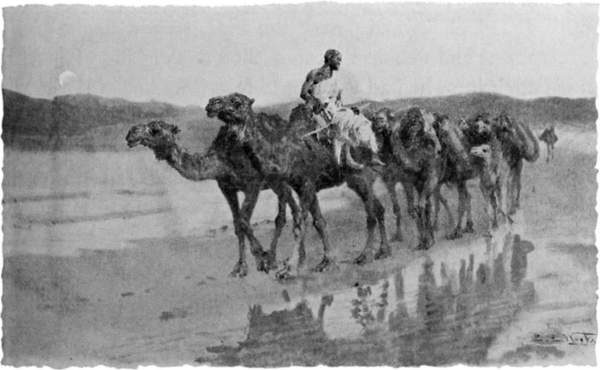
(323, 96)
(549, 137)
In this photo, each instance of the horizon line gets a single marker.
(362, 99)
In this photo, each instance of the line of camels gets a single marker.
(423, 151)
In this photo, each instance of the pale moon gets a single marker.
(66, 77)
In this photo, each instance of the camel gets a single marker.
(493, 181)
(518, 143)
(458, 166)
(394, 172)
(288, 156)
(228, 165)
(416, 151)
(549, 137)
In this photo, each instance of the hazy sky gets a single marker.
(185, 55)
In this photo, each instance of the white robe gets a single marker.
(351, 128)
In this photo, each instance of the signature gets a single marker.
(575, 338)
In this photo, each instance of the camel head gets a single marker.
(233, 109)
(382, 119)
(503, 125)
(483, 152)
(478, 129)
(156, 135)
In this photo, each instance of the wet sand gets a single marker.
(168, 300)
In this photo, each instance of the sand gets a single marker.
(139, 273)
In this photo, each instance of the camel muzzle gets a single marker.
(132, 138)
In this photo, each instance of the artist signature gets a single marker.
(557, 337)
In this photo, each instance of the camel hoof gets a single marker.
(424, 245)
(469, 228)
(266, 262)
(383, 253)
(456, 234)
(397, 238)
(239, 270)
(270, 262)
(325, 264)
(285, 273)
(363, 259)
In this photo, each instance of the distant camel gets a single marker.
(549, 137)
(226, 163)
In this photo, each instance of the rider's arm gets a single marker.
(307, 88)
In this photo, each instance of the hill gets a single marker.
(92, 123)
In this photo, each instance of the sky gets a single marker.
(185, 55)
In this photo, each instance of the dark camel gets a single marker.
(287, 156)
(395, 171)
(227, 163)
(416, 152)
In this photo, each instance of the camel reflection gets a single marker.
(439, 312)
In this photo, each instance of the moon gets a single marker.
(66, 77)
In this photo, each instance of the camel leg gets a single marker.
(291, 266)
(437, 194)
(469, 224)
(240, 269)
(285, 197)
(409, 193)
(501, 199)
(517, 186)
(444, 202)
(461, 187)
(365, 193)
(391, 188)
(426, 237)
(384, 248)
(489, 207)
(328, 261)
(250, 199)
(437, 199)
(547, 152)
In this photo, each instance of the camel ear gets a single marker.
(251, 101)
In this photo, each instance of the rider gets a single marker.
(323, 96)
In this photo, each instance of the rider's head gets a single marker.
(333, 59)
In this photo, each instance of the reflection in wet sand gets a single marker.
(437, 312)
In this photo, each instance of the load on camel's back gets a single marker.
(352, 129)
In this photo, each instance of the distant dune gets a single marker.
(93, 123)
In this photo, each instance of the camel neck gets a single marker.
(195, 167)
